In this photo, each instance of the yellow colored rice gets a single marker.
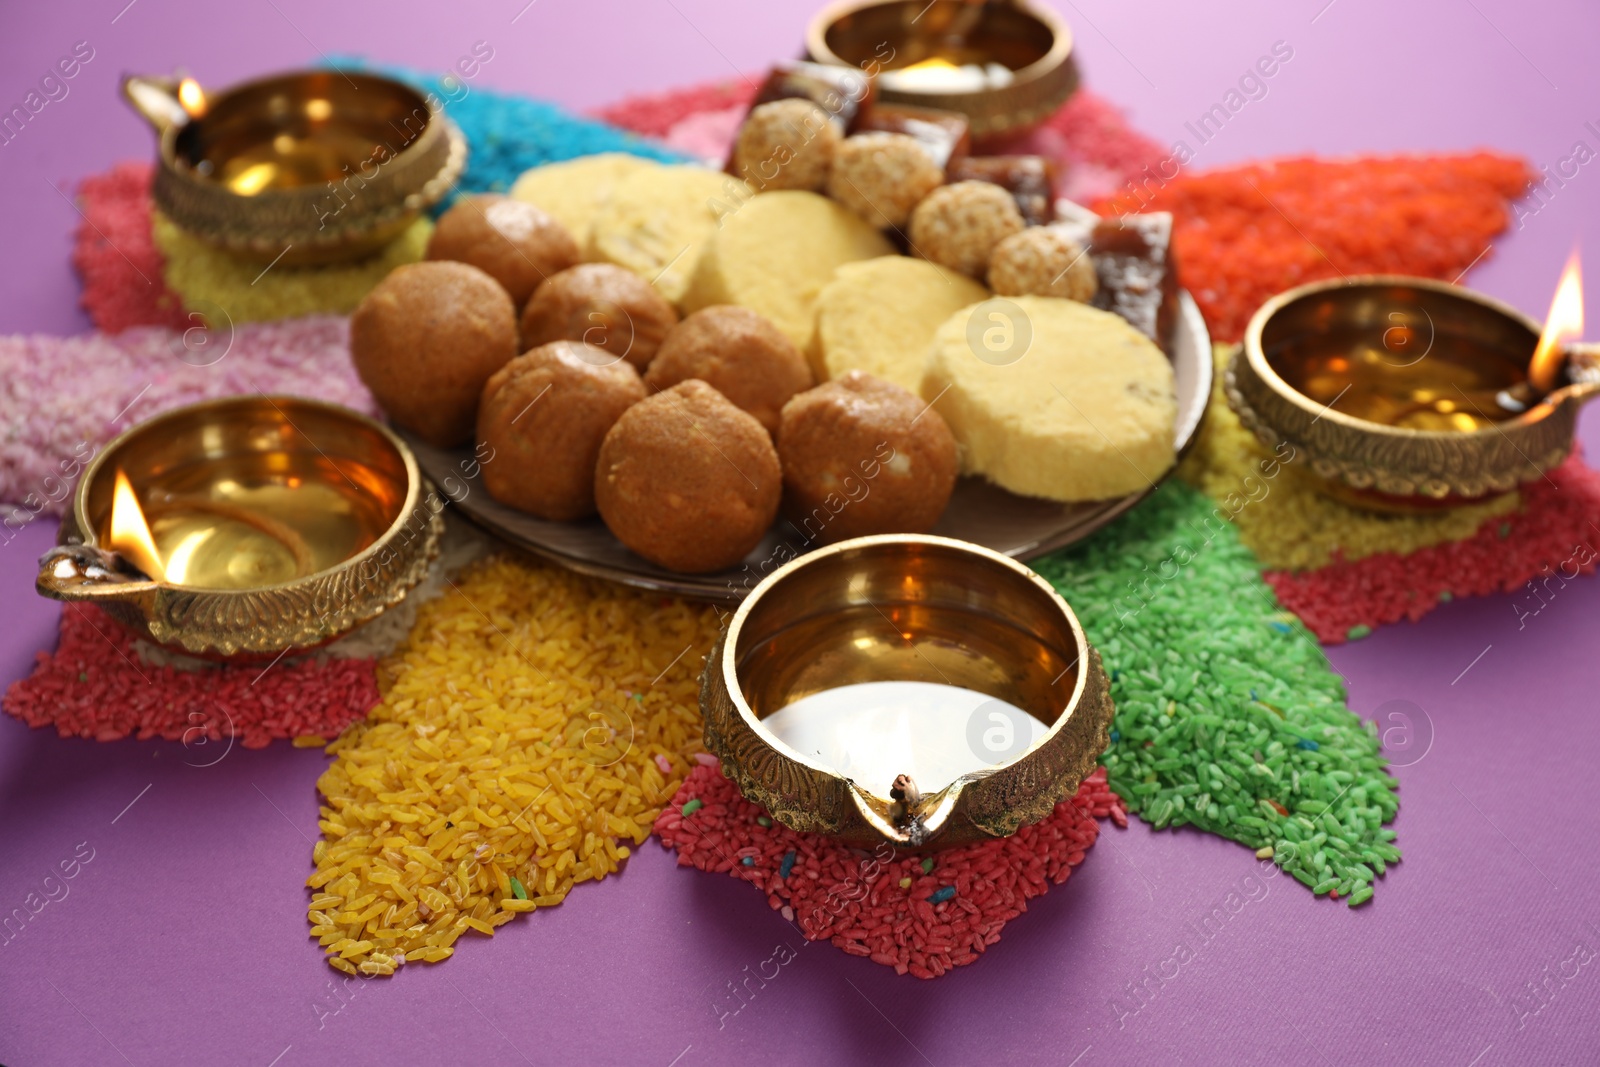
(1294, 526)
(206, 278)
(508, 745)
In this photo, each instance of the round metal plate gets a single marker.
(1016, 526)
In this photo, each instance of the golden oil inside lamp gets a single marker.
(239, 529)
(1419, 374)
(316, 155)
(1456, 383)
(290, 160)
(290, 142)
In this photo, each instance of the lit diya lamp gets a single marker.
(314, 166)
(245, 527)
(911, 689)
(1404, 393)
(1005, 64)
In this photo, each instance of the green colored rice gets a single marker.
(1226, 705)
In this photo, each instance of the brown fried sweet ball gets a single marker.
(687, 480)
(957, 226)
(882, 176)
(600, 304)
(737, 352)
(1042, 261)
(426, 338)
(785, 144)
(544, 415)
(512, 241)
(863, 456)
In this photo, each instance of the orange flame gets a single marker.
(1563, 324)
(130, 535)
(192, 97)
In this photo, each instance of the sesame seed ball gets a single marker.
(1042, 261)
(882, 176)
(957, 226)
(786, 144)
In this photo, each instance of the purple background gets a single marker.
(184, 939)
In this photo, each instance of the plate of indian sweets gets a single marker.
(681, 377)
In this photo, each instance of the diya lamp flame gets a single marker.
(192, 98)
(1564, 323)
(130, 534)
(932, 63)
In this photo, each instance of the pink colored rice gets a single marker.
(61, 398)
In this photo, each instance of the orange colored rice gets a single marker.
(1245, 233)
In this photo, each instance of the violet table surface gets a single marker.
(184, 939)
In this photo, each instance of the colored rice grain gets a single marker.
(119, 380)
(506, 133)
(1215, 691)
(655, 114)
(95, 685)
(115, 256)
(1283, 516)
(1245, 233)
(504, 747)
(1552, 538)
(883, 906)
(213, 282)
(1099, 150)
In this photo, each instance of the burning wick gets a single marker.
(130, 535)
(1563, 324)
(192, 98)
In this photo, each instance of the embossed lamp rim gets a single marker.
(730, 663)
(989, 801)
(290, 618)
(286, 224)
(1375, 466)
(1034, 93)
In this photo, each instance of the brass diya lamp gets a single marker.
(946, 54)
(246, 527)
(308, 167)
(915, 690)
(1405, 393)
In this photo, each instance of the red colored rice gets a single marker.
(94, 685)
(855, 899)
(115, 256)
(1554, 537)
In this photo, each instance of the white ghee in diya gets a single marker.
(872, 732)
